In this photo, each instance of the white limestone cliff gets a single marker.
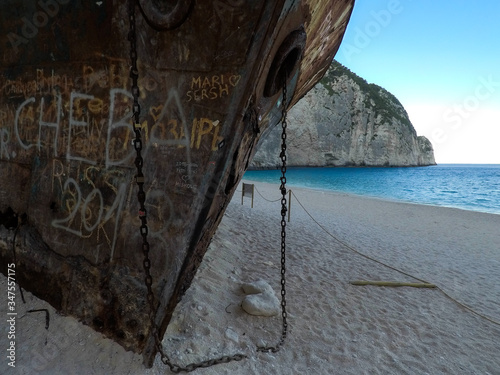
(344, 121)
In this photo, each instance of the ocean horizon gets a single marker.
(474, 187)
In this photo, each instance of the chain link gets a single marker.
(141, 196)
(278, 346)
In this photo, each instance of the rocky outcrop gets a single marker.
(344, 121)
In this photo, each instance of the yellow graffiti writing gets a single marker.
(212, 87)
(174, 130)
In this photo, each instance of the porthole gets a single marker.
(166, 14)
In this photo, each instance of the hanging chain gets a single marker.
(141, 196)
(278, 346)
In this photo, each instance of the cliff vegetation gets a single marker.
(346, 121)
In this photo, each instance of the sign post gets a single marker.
(247, 191)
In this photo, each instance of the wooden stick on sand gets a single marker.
(392, 284)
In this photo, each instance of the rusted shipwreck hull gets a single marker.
(209, 78)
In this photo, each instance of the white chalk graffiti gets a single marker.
(123, 122)
(73, 122)
(79, 208)
(87, 140)
(4, 141)
(173, 99)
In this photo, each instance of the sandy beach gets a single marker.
(334, 327)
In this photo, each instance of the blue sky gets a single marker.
(441, 59)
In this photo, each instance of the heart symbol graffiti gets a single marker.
(234, 79)
(155, 111)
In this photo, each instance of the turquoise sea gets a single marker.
(467, 186)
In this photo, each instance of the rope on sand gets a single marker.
(394, 268)
(271, 201)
